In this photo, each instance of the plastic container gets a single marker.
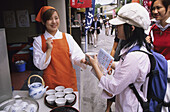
(20, 66)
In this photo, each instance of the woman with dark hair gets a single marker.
(54, 51)
(160, 35)
(132, 67)
(160, 31)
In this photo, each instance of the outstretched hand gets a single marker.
(110, 71)
(93, 61)
(85, 61)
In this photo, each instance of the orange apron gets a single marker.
(60, 71)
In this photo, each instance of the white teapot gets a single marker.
(36, 89)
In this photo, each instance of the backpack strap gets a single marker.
(166, 104)
(168, 79)
(152, 28)
(151, 58)
(150, 32)
(145, 105)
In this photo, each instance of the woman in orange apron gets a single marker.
(54, 52)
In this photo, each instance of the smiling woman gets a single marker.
(160, 33)
(160, 9)
(55, 51)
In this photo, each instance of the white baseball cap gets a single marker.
(133, 14)
(168, 20)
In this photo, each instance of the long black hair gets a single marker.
(137, 36)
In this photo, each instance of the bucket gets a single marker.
(21, 67)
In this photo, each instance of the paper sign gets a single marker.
(105, 61)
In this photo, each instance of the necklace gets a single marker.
(160, 33)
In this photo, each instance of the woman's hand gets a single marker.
(148, 39)
(110, 71)
(49, 43)
(93, 61)
(83, 61)
(113, 65)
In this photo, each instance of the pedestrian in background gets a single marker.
(113, 27)
(72, 20)
(95, 26)
(101, 22)
(107, 26)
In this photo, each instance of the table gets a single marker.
(42, 106)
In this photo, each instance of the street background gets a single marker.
(90, 93)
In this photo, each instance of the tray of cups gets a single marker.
(60, 97)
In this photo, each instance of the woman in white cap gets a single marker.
(132, 67)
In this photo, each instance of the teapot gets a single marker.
(36, 89)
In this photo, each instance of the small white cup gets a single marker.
(68, 90)
(59, 88)
(50, 92)
(60, 101)
(59, 94)
(51, 99)
(70, 98)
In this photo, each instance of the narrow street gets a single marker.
(91, 100)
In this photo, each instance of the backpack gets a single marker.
(157, 82)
